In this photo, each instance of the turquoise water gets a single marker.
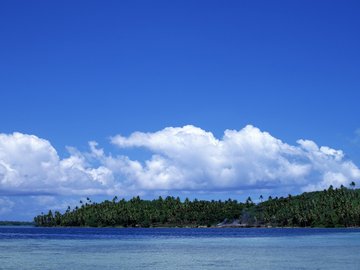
(86, 248)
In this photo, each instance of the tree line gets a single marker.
(339, 207)
(169, 211)
(15, 223)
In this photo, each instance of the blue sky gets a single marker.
(74, 72)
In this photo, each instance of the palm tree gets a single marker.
(352, 185)
(248, 201)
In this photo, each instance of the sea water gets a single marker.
(175, 248)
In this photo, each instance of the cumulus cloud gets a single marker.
(182, 158)
(31, 165)
(191, 158)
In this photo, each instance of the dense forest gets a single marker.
(16, 223)
(338, 207)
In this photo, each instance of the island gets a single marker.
(332, 207)
(16, 223)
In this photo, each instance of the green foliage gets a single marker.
(328, 208)
(16, 223)
(143, 213)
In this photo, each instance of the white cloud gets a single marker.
(57, 203)
(30, 165)
(183, 158)
(191, 158)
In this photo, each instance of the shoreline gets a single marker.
(184, 227)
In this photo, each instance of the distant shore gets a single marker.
(16, 223)
(30, 224)
(330, 208)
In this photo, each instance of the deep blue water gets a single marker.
(176, 248)
(15, 232)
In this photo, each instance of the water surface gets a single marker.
(108, 248)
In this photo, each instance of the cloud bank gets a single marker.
(182, 159)
(31, 166)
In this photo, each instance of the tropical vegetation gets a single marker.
(15, 223)
(333, 207)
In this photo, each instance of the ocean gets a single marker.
(178, 248)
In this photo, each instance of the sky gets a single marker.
(198, 99)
